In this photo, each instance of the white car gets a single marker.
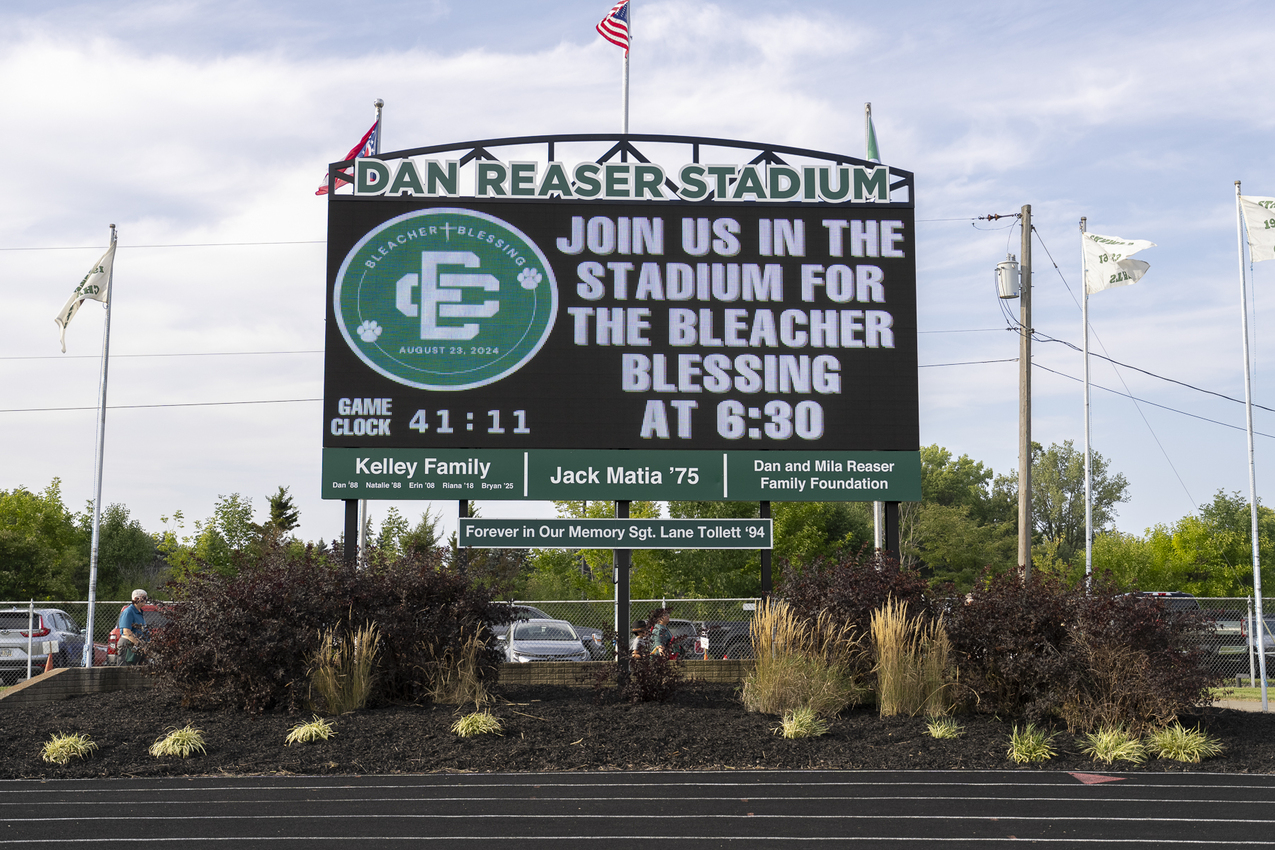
(543, 640)
(43, 631)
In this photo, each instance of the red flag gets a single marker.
(365, 147)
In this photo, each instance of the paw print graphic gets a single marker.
(369, 331)
(529, 278)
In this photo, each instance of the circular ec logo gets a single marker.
(445, 299)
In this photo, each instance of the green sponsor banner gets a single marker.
(616, 533)
(422, 474)
(573, 475)
(824, 476)
(565, 475)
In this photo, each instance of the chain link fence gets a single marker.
(702, 629)
(31, 632)
(1232, 646)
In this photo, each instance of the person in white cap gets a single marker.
(132, 626)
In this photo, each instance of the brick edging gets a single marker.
(67, 682)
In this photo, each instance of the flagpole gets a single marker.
(1252, 474)
(1084, 312)
(87, 659)
(376, 149)
(867, 130)
(626, 70)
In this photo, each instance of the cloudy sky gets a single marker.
(201, 129)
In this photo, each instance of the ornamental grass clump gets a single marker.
(944, 728)
(802, 663)
(912, 660)
(343, 668)
(454, 671)
(61, 748)
(802, 723)
(477, 723)
(1113, 743)
(179, 742)
(317, 729)
(1181, 744)
(1030, 745)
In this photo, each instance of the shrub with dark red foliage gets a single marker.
(851, 585)
(244, 641)
(1044, 648)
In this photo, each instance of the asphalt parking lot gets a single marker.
(765, 809)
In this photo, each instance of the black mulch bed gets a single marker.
(703, 726)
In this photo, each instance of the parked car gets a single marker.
(729, 639)
(155, 618)
(591, 639)
(1268, 634)
(1173, 600)
(543, 640)
(519, 612)
(595, 643)
(686, 638)
(47, 631)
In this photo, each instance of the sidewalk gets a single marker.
(1245, 704)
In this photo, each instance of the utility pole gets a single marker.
(1025, 401)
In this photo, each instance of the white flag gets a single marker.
(1259, 221)
(95, 285)
(1107, 262)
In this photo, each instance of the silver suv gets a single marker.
(43, 631)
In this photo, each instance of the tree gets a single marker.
(393, 529)
(126, 553)
(215, 541)
(39, 548)
(963, 523)
(1058, 496)
(713, 573)
(422, 537)
(284, 514)
(587, 573)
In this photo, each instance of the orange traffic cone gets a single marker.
(48, 664)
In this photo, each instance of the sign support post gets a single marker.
(764, 512)
(623, 560)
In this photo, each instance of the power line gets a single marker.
(165, 245)
(966, 363)
(179, 404)
(1074, 347)
(175, 354)
(1144, 401)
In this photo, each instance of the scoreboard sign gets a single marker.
(548, 322)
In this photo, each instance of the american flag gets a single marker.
(365, 147)
(615, 26)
